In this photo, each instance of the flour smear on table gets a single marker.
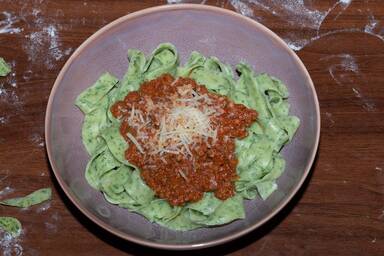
(300, 14)
(342, 68)
(9, 245)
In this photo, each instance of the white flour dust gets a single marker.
(8, 23)
(346, 2)
(243, 8)
(9, 98)
(37, 140)
(40, 41)
(43, 207)
(344, 63)
(6, 191)
(27, 75)
(294, 13)
(51, 225)
(344, 70)
(329, 119)
(4, 119)
(372, 25)
(12, 78)
(9, 245)
(301, 14)
(357, 93)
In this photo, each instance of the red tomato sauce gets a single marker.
(210, 163)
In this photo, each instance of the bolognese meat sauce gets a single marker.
(182, 138)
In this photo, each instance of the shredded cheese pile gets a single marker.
(182, 121)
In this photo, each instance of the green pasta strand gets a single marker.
(10, 225)
(5, 69)
(89, 99)
(260, 161)
(36, 197)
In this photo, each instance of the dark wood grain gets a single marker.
(339, 210)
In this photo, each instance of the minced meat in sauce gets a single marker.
(181, 169)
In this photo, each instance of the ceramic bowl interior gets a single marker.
(211, 31)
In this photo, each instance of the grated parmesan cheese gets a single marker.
(130, 136)
(182, 122)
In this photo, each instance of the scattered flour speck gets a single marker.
(27, 75)
(55, 216)
(329, 118)
(43, 207)
(294, 45)
(7, 22)
(242, 8)
(344, 70)
(68, 51)
(9, 245)
(42, 44)
(13, 81)
(4, 119)
(346, 2)
(6, 191)
(356, 92)
(381, 215)
(349, 63)
(36, 11)
(51, 225)
(37, 139)
(372, 24)
(300, 13)
(51, 228)
(59, 13)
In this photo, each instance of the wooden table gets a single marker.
(339, 211)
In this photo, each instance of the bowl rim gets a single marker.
(160, 245)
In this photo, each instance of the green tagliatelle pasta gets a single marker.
(5, 69)
(10, 225)
(260, 161)
(35, 197)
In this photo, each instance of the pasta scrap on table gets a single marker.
(34, 198)
(12, 225)
(5, 69)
